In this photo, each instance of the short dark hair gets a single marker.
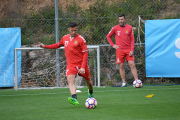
(72, 24)
(121, 15)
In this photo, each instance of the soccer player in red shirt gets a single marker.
(124, 46)
(76, 56)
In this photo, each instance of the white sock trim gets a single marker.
(123, 84)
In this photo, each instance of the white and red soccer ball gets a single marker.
(91, 103)
(137, 83)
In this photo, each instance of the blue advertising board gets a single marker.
(10, 38)
(162, 48)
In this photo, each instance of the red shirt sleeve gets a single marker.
(56, 45)
(132, 40)
(85, 58)
(85, 52)
(53, 46)
(109, 35)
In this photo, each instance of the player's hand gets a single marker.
(81, 71)
(131, 53)
(42, 45)
(116, 46)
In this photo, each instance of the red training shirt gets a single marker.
(75, 50)
(124, 37)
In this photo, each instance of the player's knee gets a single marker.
(88, 82)
(121, 66)
(132, 65)
(70, 80)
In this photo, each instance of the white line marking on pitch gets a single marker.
(86, 91)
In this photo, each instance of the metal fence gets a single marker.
(95, 19)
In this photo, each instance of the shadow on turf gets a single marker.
(4, 88)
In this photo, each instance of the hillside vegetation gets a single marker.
(96, 17)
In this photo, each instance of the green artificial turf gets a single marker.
(114, 103)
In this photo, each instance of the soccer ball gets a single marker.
(91, 103)
(137, 83)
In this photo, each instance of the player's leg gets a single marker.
(88, 81)
(131, 63)
(90, 87)
(72, 87)
(89, 84)
(133, 69)
(120, 60)
(70, 74)
(122, 74)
